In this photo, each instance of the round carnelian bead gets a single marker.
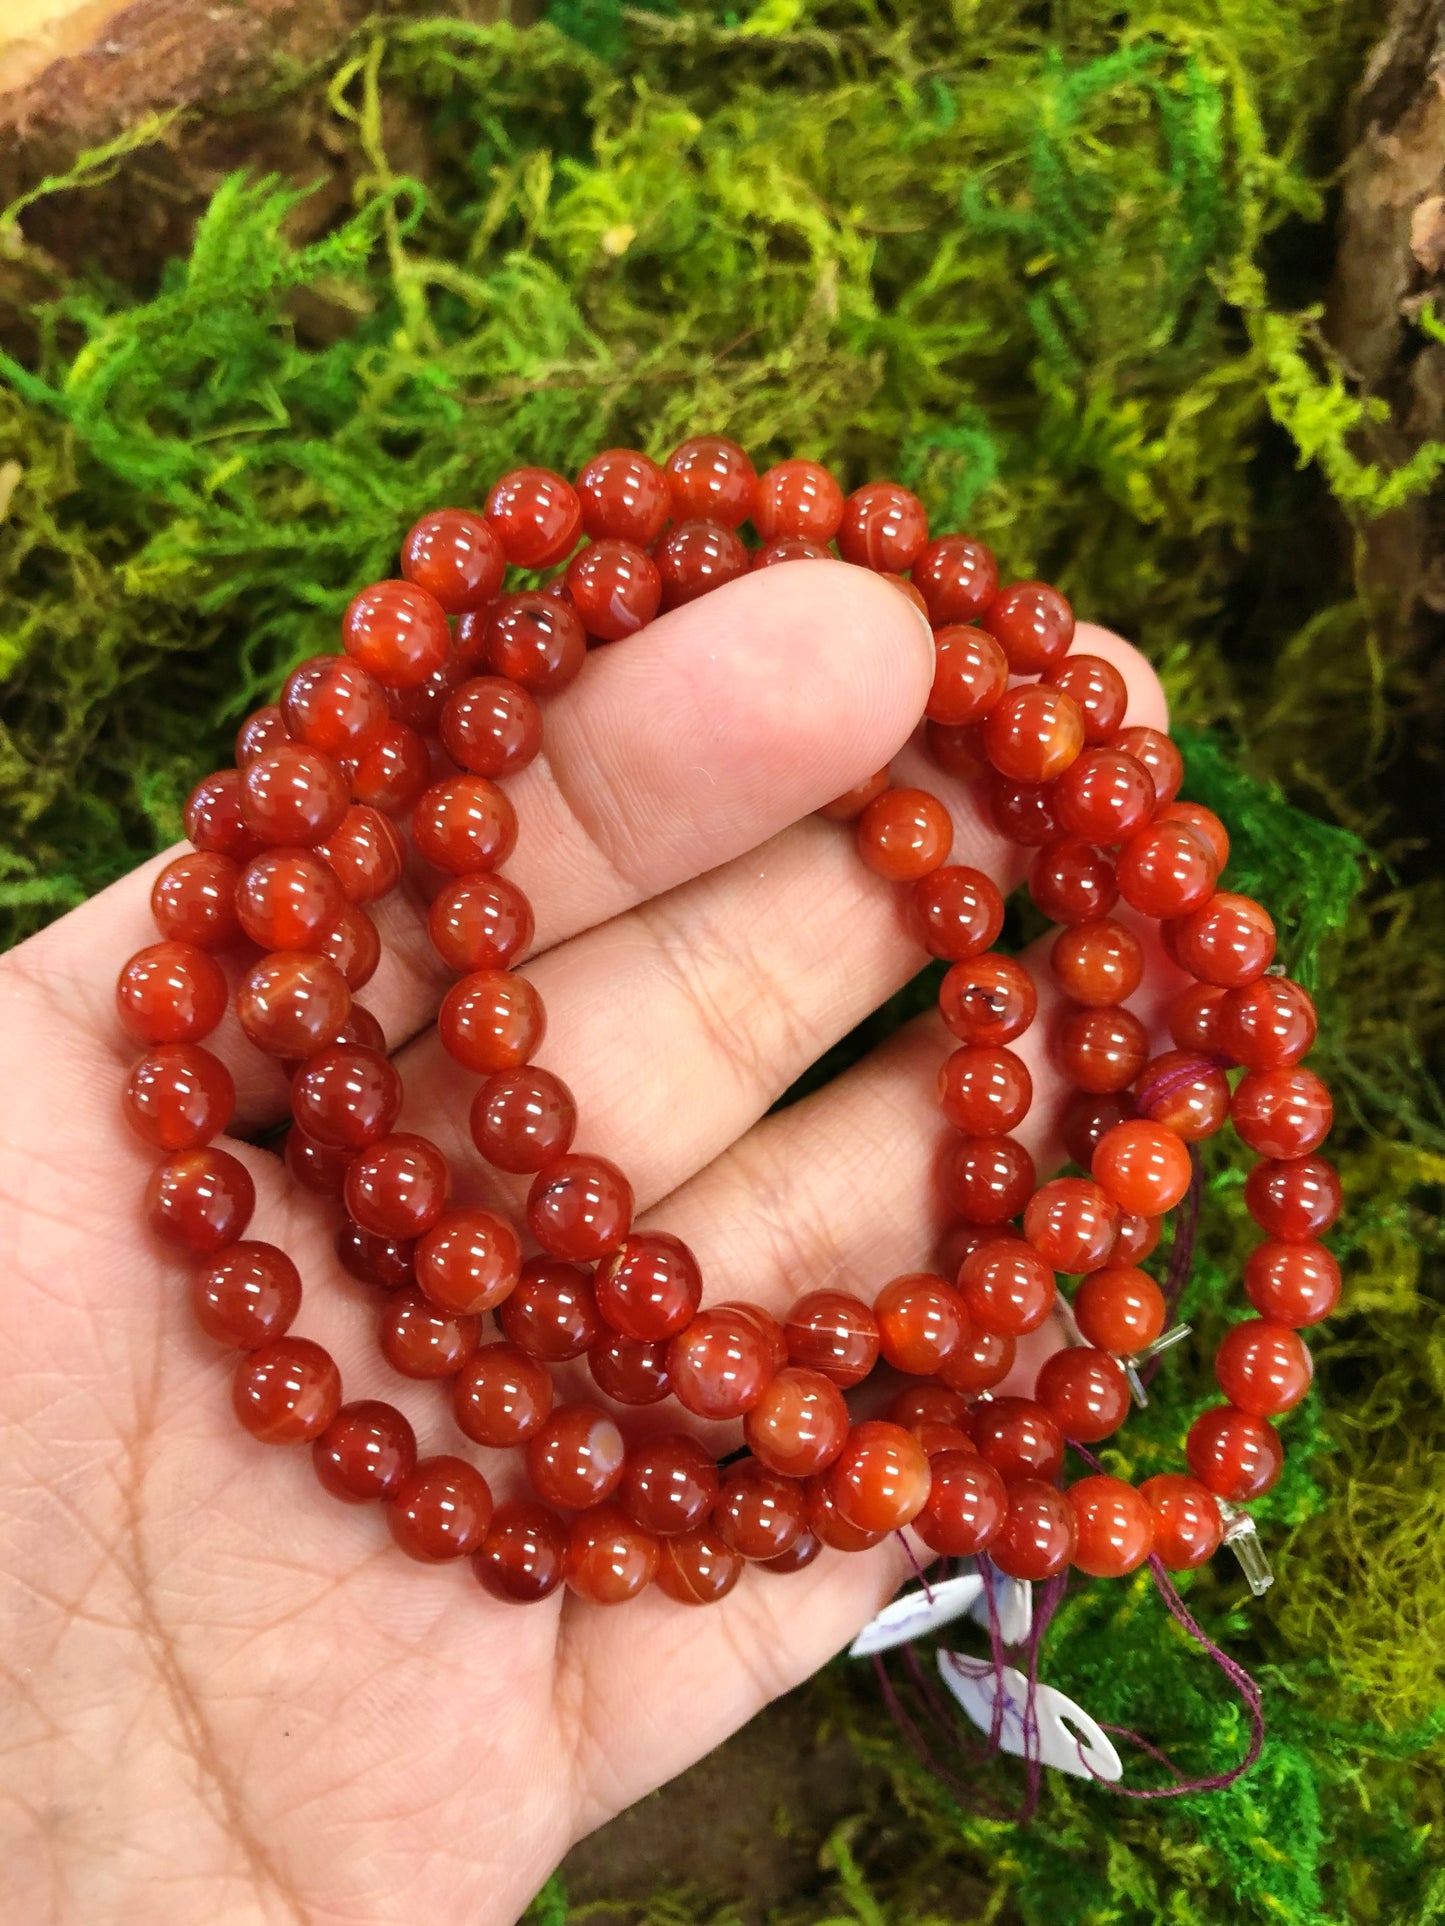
(366, 1452)
(765, 1324)
(988, 1000)
(758, 1514)
(1184, 1091)
(501, 1397)
(1205, 824)
(988, 1179)
(927, 1403)
(1185, 1516)
(262, 731)
(200, 1200)
(615, 588)
(850, 805)
(1006, 1287)
(955, 913)
(963, 1239)
(523, 1119)
(941, 1437)
(799, 1424)
(1088, 1118)
(1263, 1367)
(957, 578)
(1229, 941)
(464, 823)
(1113, 1527)
(398, 1186)
(609, 1559)
(1034, 624)
(1143, 1166)
(1072, 882)
(287, 899)
(523, 1554)
(789, 548)
(884, 527)
(1101, 1051)
(1037, 1539)
(532, 639)
(420, 708)
(397, 633)
(383, 1261)
(1119, 1309)
(535, 515)
(293, 797)
(624, 497)
(984, 1091)
(360, 1029)
(835, 1334)
(1237, 1455)
(193, 900)
(804, 1549)
(720, 1365)
(983, 1360)
(696, 557)
(1158, 755)
(420, 1341)
(1194, 1018)
(629, 1373)
(880, 1479)
(365, 852)
(649, 1288)
(970, 675)
(920, 1321)
(711, 477)
(320, 1168)
(1296, 1201)
(551, 1313)
(577, 1458)
(248, 1295)
(441, 1510)
(798, 498)
(456, 558)
(1071, 1223)
(827, 1523)
(291, 1004)
(287, 1392)
(957, 751)
(480, 923)
(353, 944)
(392, 775)
(170, 993)
(213, 818)
(1282, 1113)
(1165, 871)
(1100, 691)
(1098, 963)
(178, 1097)
(697, 1568)
(1105, 796)
(492, 1020)
(579, 1207)
(333, 706)
(468, 1262)
(904, 834)
(491, 727)
(1268, 1025)
(1295, 1284)
(1022, 812)
(346, 1096)
(967, 1504)
(1033, 733)
(1018, 1437)
(1085, 1392)
(669, 1485)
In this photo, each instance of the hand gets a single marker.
(228, 1697)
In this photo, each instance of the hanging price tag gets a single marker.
(1065, 1737)
(916, 1612)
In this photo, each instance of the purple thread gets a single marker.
(1181, 1254)
(918, 1571)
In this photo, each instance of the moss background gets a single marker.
(1059, 266)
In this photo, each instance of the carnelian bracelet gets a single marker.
(292, 844)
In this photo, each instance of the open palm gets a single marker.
(227, 1697)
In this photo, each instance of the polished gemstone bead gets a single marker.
(1006, 1287)
(287, 1392)
(386, 1262)
(695, 558)
(627, 1372)
(535, 515)
(988, 1179)
(880, 1479)
(835, 1334)
(970, 675)
(332, 705)
(711, 477)
(957, 751)
(361, 1030)
(1033, 733)
(346, 1096)
(440, 1510)
(649, 1287)
(757, 1513)
(319, 1168)
(1165, 871)
(1282, 1113)
(1229, 941)
(397, 633)
(804, 1549)
(522, 1119)
(291, 1004)
(988, 1000)
(1119, 1309)
(1295, 1201)
(579, 1207)
(353, 944)
(720, 1365)
(904, 834)
(1022, 812)
(624, 497)
(262, 731)
(1236, 1454)
(962, 1239)
(609, 1559)
(420, 707)
(170, 993)
(1158, 755)
(1037, 1538)
(456, 557)
(287, 899)
(1186, 1521)
(523, 1554)
(827, 1523)
(884, 527)
(1101, 1050)
(1034, 624)
(367, 1452)
(1100, 691)
(936, 1438)
(1205, 824)
(200, 1200)
(984, 1091)
(1018, 1437)
(1295, 1284)
(1268, 1025)
(397, 1187)
(577, 1458)
(799, 1424)
(789, 548)
(468, 1262)
(1143, 1166)
(957, 577)
(698, 1568)
(365, 853)
(1071, 1223)
(848, 807)
(464, 823)
(615, 588)
(1087, 1119)
(955, 913)
(983, 1360)
(669, 1485)
(927, 1403)
(1105, 796)
(1185, 1091)
(1113, 1527)
(764, 1323)
(392, 775)
(247, 1295)
(1137, 1238)
(501, 1396)
(1263, 1367)
(213, 817)
(798, 498)
(532, 639)
(1194, 1019)
(178, 1096)
(551, 1314)
(295, 797)
(1072, 882)
(492, 1020)
(420, 1341)
(480, 923)
(1085, 1392)
(967, 1504)
(193, 900)
(491, 727)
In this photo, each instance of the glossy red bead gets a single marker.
(988, 1000)
(758, 1514)
(178, 1096)
(200, 1200)
(334, 706)
(522, 1119)
(365, 853)
(535, 515)
(883, 527)
(1296, 1201)
(287, 899)
(577, 1458)
(1229, 940)
(291, 1004)
(1022, 812)
(366, 1453)
(798, 498)
(392, 775)
(698, 1568)
(1185, 1091)
(1105, 796)
(1100, 691)
(492, 1020)
(551, 1313)
(1205, 824)
(1006, 1287)
(397, 633)
(921, 1320)
(213, 817)
(1295, 1284)
(827, 1523)
(383, 1261)
(1018, 1437)
(1071, 1223)
(904, 834)
(649, 1287)
(835, 1334)
(712, 478)
(346, 1096)
(970, 675)
(1034, 624)
(615, 588)
(501, 1396)
(1165, 870)
(957, 577)
(720, 1365)
(669, 1485)
(1085, 1392)
(696, 557)
(397, 1187)
(1158, 755)
(1101, 1050)
(1268, 1025)
(294, 797)
(193, 900)
(440, 1510)
(1113, 1527)
(1263, 1367)
(1033, 733)
(491, 727)
(456, 557)
(1072, 882)
(1186, 1521)
(247, 1295)
(624, 496)
(287, 1392)
(956, 912)
(984, 1091)
(627, 1372)
(880, 1480)
(420, 1341)
(798, 1425)
(464, 823)
(480, 923)
(1087, 1119)
(1038, 1534)
(967, 1505)
(1282, 1113)
(524, 1554)
(988, 1179)
(789, 548)
(1144, 1167)
(262, 731)
(1120, 1309)
(983, 1360)
(610, 1559)
(579, 1207)
(170, 993)
(1237, 1455)
(533, 639)
(468, 1262)
(319, 1168)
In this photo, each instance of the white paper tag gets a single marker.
(1065, 1737)
(1013, 1605)
(913, 1613)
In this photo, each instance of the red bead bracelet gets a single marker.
(435, 702)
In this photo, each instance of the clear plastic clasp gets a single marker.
(1166, 1341)
(1243, 1540)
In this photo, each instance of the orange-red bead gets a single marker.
(1100, 691)
(292, 1004)
(624, 497)
(522, 1119)
(200, 1200)
(366, 1453)
(1071, 1223)
(904, 834)
(1295, 1284)
(883, 527)
(798, 498)
(799, 1424)
(492, 1020)
(983, 1360)
(983, 1091)
(669, 1485)
(441, 1510)
(397, 633)
(627, 1372)
(1263, 1367)
(346, 1096)
(1113, 1527)
(287, 1392)
(1165, 870)
(1033, 733)
(834, 1334)
(579, 1207)
(713, 479)
(957, 578)
(881, 1478)
(921, 1320)
(178, 1097)
(501, 1397)
(758, 1514)
(397, 1187)
(988, 1000)
(193, 900)
(1105, 796)
(247, 1295)
(967, 1505)
(609, 1559)
(1186, 1521)
(988, 1179)
(464, 823)
(1296, 1201)
(698, 1568)
(491, 727)
(1101, 1050)
(1184, 1091)
(970, 674)
(551, 1313)
(696, 557)
(468, 1262)
(332, 705)
(1229, 940)
(648, 1288)
(1236, 1454)
(480, 923)
(615, 588)
(1119, 1309)
(1268, 1025)
(1034, 624)
(213, 817)
(956, 912)
(1037, 1537)
(1144, 1167)
(170, 993)
(530, 638)
(1159, 756)
(1282, 1113)
(524, 1554)
(577, 1458)
(420, 1341)
(1085, 1392)
(536, 517)
(720, 1365)
(456, 557)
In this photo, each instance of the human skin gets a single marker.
(224, 1696)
